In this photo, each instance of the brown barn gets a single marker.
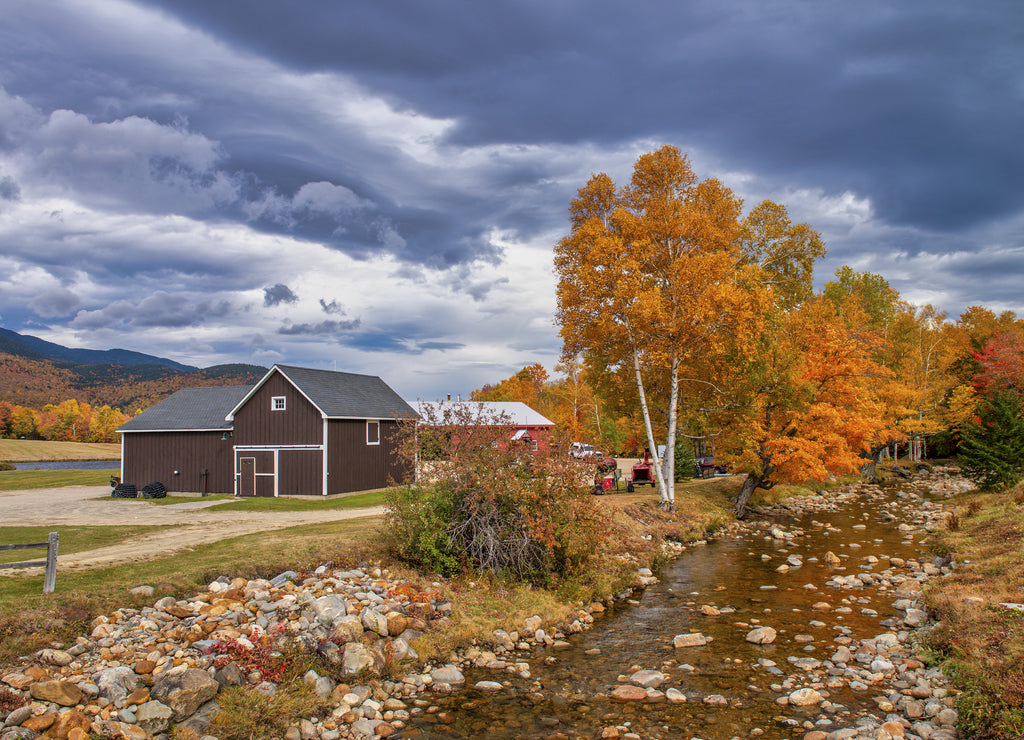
(296, 432)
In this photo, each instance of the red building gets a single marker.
(525, 425)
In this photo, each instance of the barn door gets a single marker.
(247, 476)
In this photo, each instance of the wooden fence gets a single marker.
(50, 580)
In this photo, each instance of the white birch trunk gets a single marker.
(652, 446)
(668, 470)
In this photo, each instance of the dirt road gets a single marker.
(187, 527)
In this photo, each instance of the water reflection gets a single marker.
(740, 578)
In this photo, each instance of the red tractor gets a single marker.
(642, 473)
(607, 477)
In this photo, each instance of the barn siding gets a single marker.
(354, 465)
(154, 456)
(300, 473)
(299, 424)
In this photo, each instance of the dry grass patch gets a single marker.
(981, 644)
(38, 450)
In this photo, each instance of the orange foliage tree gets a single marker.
(800, 407)
(647, 280)
(662, 280)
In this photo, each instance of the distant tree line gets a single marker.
(68, 421)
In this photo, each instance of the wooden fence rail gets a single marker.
(50, 579)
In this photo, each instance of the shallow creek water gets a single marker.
(569, 694)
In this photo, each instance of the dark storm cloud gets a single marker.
(905, 104)
(275, 295)
(163, 162)
(159, 310)
(322, 329)
(9, 189)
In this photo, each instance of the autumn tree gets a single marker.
(647, 280)
(801, 409)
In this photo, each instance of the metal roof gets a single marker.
(190, 409)
(340, 395)
(517, 412)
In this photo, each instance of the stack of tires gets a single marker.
(154, 490)
(125, 490)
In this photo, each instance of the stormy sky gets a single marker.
(376, 186)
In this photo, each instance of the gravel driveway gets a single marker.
(79, 506)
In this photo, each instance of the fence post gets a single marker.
(50, 581)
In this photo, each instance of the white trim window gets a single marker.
(373, 432)
(278, 403)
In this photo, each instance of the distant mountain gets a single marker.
(34, 372)
(24, 345)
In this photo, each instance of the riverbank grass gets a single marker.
(978, 642)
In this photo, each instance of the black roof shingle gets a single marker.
(189, 409)
(348, 395)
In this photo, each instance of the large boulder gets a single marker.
(374, 621)
(358, 658)
(116, 683)
(154, 717)
(63, 693)
(185, 692)
(329, 610)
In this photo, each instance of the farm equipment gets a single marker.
(705, 467)
(607, 477)
(642, 473)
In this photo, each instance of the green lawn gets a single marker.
(72, 539)
(16, 480)
(310, 503)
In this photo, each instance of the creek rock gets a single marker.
(448, 674)
(761, 635)
(648, 679)
(805, 697)
(691, 639)
(628, 692)
(185, 692)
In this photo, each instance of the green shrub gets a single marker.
(416, 528)
(992, 449)
(488, 504)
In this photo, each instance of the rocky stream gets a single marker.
(801, 623)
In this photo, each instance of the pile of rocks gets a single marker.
(143, 671)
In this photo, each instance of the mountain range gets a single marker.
(35, 372)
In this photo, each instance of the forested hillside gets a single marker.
(132, 388)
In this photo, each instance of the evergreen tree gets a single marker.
(992, 448)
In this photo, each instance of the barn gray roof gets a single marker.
(346, 395)
(189, 409)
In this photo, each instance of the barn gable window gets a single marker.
(278, 403)
(373, 432)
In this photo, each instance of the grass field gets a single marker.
(18, 480)
(72, 539)
(306, 503)
(37, 450)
